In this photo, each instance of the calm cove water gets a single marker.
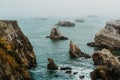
(36, 30)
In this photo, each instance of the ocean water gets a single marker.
(37, 29)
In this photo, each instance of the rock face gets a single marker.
(109, 36)
(75, 52)
(16, 52)
(51, 65)
(56, 34)
(65, 23)
(109, 66)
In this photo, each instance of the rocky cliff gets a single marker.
(16, 52)
(109, 36)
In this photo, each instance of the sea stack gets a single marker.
(66, 23)
(51, 65)
(75, 52)
(16, 52)
(108, 66)
(109, 36)
(56, 34)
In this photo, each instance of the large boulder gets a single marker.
(109, 36)
(56, 34)
(108, 66)
(75, 52)
(66, 23)
(16, 52)
(51, 65)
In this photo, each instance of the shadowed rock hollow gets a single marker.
(109, 36)
(16, 52)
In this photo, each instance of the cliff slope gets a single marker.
(16, 52)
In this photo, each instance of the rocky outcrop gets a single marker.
(56, 34)
(109, 36)
(16, 52)
(51, 65)
(108, 66)
(66, 23)
(75, 52)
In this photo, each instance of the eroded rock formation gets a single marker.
(56, 34)
(16, 52)
(51, 65)
(108, 66)
(75, 52)
(65, 23)
(109, 36)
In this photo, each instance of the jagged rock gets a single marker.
(16, 52)
(56, 34)
(109, 66)
(51, 65)
(75, 52)
(65, 68)
(65, 23)
(109, 36)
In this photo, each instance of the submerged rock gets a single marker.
(56, 34)
(65, 68)
(109, 66)
(16, 52)
(65, 23)
(109, 36)
(51, 65)
(75, 52)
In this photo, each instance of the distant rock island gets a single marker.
(109, 36)
(16, 52)
(80, 20)
(66, 23)
(56, 34)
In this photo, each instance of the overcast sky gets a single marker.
(59, 8)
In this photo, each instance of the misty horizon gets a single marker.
(59, 8)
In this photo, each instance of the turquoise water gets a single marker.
(36, 30)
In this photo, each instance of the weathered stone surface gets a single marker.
(109, 36)
(16, 52)
(109, 66)
(56, 34)
(66, 23)
(51, 65)
(75, 52)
